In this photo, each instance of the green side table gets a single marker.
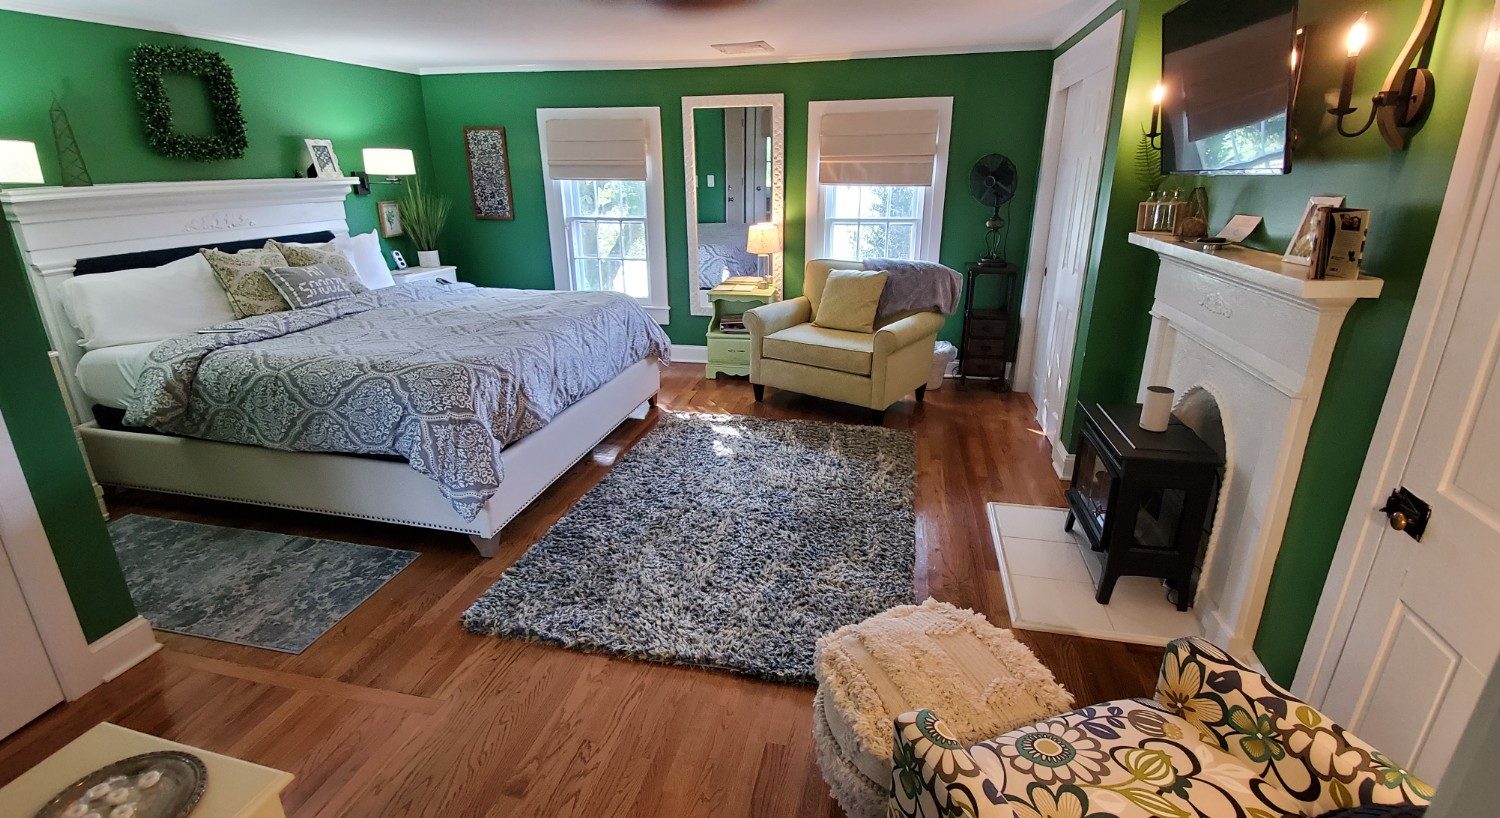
(729, 352)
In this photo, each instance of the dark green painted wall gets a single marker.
(708, 139)
(999, 106)
(1405, 191)
(285, 98)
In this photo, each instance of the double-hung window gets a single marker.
(604, 201)
(876, 184)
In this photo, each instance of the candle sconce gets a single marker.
(1153, 136)
(1401, 106)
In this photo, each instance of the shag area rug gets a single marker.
(253, 588)
(723, 541)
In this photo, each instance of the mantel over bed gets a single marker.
(63, 232)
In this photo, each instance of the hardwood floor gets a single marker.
(399, 711)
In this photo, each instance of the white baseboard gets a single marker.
(123, 648)
(689, 354)
(1062, 461)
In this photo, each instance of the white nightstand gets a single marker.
(447, 273)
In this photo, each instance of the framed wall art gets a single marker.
(322, 161)
(390, 218)
(489, 172)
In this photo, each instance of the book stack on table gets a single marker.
(733, 325)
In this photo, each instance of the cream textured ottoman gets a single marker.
(932, 655)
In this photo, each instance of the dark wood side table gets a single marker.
(1144, 500)
(989, 335)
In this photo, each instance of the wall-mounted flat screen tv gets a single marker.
(1229, 72)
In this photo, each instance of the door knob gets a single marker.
(1407, 512)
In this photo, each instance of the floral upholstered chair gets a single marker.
(1218, 741)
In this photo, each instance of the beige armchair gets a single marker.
(871, 370)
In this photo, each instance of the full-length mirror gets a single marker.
(735, 162)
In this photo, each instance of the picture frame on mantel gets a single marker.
(489, 172)
(1304, 242)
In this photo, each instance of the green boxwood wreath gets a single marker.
(150, 64)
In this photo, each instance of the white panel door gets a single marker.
(1426, 631)
(30, 688)
(1084, 128)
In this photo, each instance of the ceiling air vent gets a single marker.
(757, 47)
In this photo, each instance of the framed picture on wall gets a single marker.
(323, 163)
(489, 172)
(390, 218)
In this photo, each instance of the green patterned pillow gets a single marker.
(243, 279)
(306, 255)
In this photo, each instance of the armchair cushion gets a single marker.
(850, 299)
(816, 346)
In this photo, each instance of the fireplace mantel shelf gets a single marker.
(1263, 269)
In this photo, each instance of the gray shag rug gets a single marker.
(722, 541)
(253, 588)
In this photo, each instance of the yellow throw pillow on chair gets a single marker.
(850, 298)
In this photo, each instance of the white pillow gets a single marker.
(369, 262)
(147, 304)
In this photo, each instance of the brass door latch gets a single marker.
(1407, 512)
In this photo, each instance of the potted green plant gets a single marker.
(423, 216)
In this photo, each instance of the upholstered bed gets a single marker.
(435, 405)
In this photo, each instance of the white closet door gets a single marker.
(30, 688)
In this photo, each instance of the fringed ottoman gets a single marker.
(933, 655)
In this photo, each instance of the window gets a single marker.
(604, 201)
(876, 177)
(872, 221)
(606, 227)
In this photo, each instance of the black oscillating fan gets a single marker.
(992, 183)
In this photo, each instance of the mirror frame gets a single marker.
(697, 300)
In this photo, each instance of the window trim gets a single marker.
(659, 303)
(929, 240)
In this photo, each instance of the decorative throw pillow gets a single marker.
(243, 279)
(306, 255)
(309, 286)
(850, 298)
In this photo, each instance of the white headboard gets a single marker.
(57, 226)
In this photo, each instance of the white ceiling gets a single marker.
(440, 36)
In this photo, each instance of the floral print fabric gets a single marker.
(1219, 741)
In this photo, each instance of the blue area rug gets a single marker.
(255, 588)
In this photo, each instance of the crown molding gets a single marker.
(1088, 16)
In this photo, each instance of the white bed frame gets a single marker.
(55, 227)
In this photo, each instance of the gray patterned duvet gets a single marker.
(443, 375)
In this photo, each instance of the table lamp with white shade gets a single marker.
(19, 164)
(392, 163)
(764, 240)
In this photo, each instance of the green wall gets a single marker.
(285, 98)
(708, 137)
(1405, 192)
(999, 106)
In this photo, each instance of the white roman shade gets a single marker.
(596, 149)
(877, 147)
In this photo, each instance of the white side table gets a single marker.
(447, 273)
(235, 788)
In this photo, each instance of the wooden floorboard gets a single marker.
(399, 711)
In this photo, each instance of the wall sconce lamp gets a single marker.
(1400, 107)
(392, 163)
(1158, 94)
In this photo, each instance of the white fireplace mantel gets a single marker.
(1256, 335)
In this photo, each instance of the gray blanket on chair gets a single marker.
(916, 286)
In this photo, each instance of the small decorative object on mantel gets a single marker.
(992, 183)
(75, 173)
(165, 784)
(150, 64)
(323, 161)
(1192, 224)
(489, 172)
(1239, 228)
(423, 216)
(1302, 248)
(1341, 242)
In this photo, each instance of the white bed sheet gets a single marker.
(109, 375)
